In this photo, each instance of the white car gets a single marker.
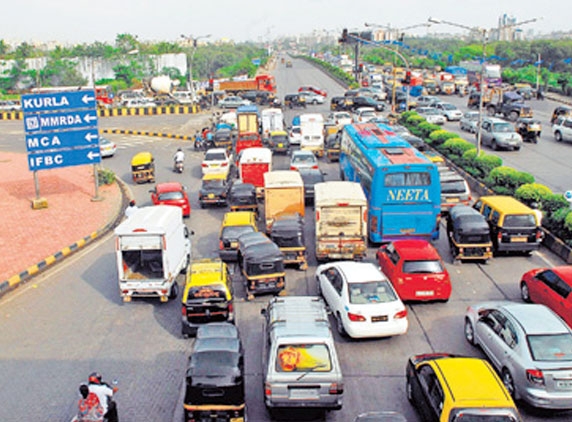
(9, 105)
(362, 300)
(450, 111)
(312, 97)
(216, 161)
(562, 129)
(139, 102)
(364, 114)
(470, 121)
(233, 102)
(432, 115)
(295, 135)
(106, 147)
(340, 118)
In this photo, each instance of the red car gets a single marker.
(313, 89)
(171, 193)
(416, 270)
(550, 287)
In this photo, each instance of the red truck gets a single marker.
(252, 164)
(259, 83)
(248, 125)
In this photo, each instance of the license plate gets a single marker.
(234, 245)
(564, 384)
(304, 393)
(518, 239)
(424, 293)
(211, 195)
(240, 419)
(452, 199)
(214, 165)
(381, 318)
(280, 145)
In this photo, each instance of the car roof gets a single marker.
(216, 150)
(536, 318)
(359, 272)
(415, 249)
(168, 187)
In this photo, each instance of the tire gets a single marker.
(174, 291)
(513, 116)
(491, 111)
(508, 381)
(469, 332)
(494, 145)
(340, 326)
(409, 390)
(318, 289)
(558, 136)
(314, 102)
(525, 292)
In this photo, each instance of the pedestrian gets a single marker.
(537, 213)
(130, 210)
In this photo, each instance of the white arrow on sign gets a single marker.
(89, 117)
(90, 137)
(91, 155)
(87, 99)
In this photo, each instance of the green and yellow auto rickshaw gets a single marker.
(143, 167)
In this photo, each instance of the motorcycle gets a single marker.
(201, 144)
(89, 410)
(179, 167)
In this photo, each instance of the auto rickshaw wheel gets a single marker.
(174, 291)
(303, 266)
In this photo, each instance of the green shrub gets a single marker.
(552, 203)
(456, 146)
(405, 115)
(532, 192)
(105, 176)
(485, 163)
(440, 136)
(427, 129)
(507, 179)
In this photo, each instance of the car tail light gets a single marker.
(293, 168)
(315, 167)
(204, 165)
(183, 311)
(538, 235)
(224, 164)
(355, 317)
(535, 376)
(220, 244)
(499, 236)
(267, 389)
(336, 388)
(400, 314)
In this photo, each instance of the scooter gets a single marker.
(179, 167)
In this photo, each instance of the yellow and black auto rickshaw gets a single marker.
(469, 234)
(143, 167)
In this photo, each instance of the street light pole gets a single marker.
(194, 41)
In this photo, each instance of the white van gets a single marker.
(300, 363)
(152, 247)
(312, 131)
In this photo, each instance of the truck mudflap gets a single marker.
(338, 248)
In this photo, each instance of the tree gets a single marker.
(126, 43)
(61, 72)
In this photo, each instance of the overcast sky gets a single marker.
(81, 21)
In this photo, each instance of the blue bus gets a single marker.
(401, 184)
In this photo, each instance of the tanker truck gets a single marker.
(163, 90)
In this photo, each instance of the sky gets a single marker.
(81, 21)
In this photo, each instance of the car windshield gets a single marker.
(303, 158)
(343, 116)
(367, 113)
(449, 107)
(422, 267)
(502, 128)
(217, 363)
(296, 130)
(303, 358)
(168, 196)
(215, 156)
(453, 186)
(214, 183)
(465, 415)
(550, 347)
(371, 292)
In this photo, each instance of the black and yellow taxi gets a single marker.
(208, 295)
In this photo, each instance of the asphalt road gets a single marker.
(70, 320)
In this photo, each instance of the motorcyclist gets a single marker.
(89, 407)
(179, 157)
(104, 393)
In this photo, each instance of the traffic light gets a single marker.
(407, 79)
(360, 67)
(344, 38)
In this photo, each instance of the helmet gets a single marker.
(94, 378)
(179, 149)
(132, 202)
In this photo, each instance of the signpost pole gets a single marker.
(96, 182)
(36, 185)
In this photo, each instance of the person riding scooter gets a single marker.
(104, 393)
(179, 158)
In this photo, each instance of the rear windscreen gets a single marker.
(524, 220)
(422, 267)
(303, 358)
(169, 196)
(475, 238)
(211, 293)
(453, 186)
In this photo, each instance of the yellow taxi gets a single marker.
(445, 387)
(208, 295)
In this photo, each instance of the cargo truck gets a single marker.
(283, 195)
(152, 247)
(253, 163)
(247, 118)
(341, 220)
(259, 83)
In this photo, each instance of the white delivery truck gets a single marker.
(312, 131)
(341, 220)
(152, 247)
(272, 121)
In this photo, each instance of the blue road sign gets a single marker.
(256, 62)
(70, 119)
(64, 158)
(58, 101)
(58, 140)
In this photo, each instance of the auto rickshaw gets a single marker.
(287, 233)
(469, 234)
(529, 128)
(214, 391)
(294, 100)
(143, 168)
(333, 148)
(262, 266)
(242, 197)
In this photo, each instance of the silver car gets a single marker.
(498, 133)
(470, 121)
(531, 348)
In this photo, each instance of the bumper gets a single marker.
(377, 329)
(228, 254)
(515, 247)
(542, 399)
